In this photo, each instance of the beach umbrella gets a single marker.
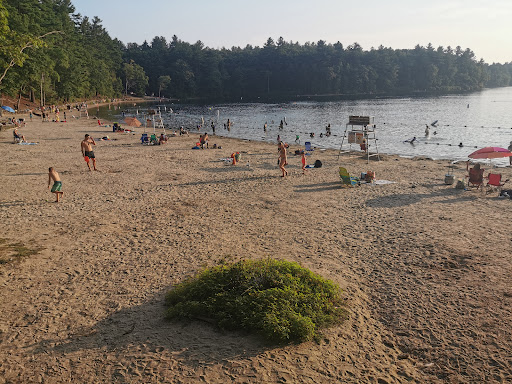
(132, 122)
(490, 153)
(8, 109)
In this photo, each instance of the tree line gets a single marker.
(50, 53)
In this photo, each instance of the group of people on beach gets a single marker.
(282, 161)
(88, 155)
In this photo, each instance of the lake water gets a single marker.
(476, 120)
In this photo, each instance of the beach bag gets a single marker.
(460, 184)
(318, 164)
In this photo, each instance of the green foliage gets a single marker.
(277, 299)
(135, 78)
(285, 69)
(163, 84)
(56, 54)
(50, 52)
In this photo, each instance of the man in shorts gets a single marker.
(57, 184)
(87, 152)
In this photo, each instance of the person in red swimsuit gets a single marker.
(303, 154)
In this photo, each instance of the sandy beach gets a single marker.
(425, 268)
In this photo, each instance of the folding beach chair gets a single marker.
(346, 179)
(494, 182)
(144, 138)
(476, 177)
(153, 139)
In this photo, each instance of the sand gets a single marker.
(425, 268)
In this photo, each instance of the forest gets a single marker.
(51, 54)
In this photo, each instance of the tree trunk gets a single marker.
(41, 102)
(19, 100)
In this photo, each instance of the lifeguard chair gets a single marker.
(360, 130)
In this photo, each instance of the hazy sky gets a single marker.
(484, 26)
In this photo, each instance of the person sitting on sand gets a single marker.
(203, 139)
(283, 159)
(57, 184)
(162, 139)
(236, 157)
(17, 137)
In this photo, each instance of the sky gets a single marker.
(484, 26)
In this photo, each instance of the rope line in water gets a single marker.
(449, 125)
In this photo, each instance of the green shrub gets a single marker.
(277, 299)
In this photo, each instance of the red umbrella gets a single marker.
(490, 153)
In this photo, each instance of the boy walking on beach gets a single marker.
(87, 152)
(57, 184)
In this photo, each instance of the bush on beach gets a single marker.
(277, 299)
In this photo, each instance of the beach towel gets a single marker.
(25, 143)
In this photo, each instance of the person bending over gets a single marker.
(57, 184)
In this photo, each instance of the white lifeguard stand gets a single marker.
(83, 113)
(158, 122)
(361, 130)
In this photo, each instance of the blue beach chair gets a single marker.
(308, 148)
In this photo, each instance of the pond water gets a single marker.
(476, 120)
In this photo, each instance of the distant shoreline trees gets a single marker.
(286, 70)
(83, 61)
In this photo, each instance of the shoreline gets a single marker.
(428, 295)
(440, 147)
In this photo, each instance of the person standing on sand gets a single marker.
(57, 184)
(282, 159)
(510, 149)
(87, 152)
(303, 160)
